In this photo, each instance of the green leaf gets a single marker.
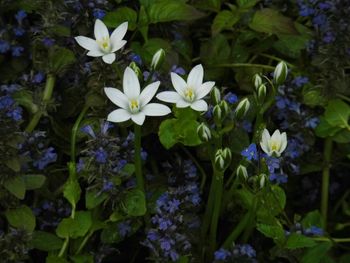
(317, 253)
(135, 203)
(343, 136)
(290, 45)
(275, 232)
(82, 259)
(61, 31)
(272, 203)
(13, 164)
(93, 99)
(312, 218)
(60, 59)
(93, 198)
(25, 99)
(224, 20)
(337, 113)
(55, 259)
(245, 4)
(166, 11)
(16, 186)
(345, 258)
(115, 18)
(72, 191)
(46, 241)
(76, 227)
(295, 241)
(21, 217)
(272, 22)
(324, 129)
(34, 181)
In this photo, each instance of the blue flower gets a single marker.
(80, 165)
(278, 178)
(320, 20)
(166, 243)
(231, 98)
(135, 58)
(88, 130)
(222, 254)
(6, 102)
(272, 163)
(300, 81)
(48, 42)
(99, 13)
(247, 126)
(17, 51)
(15, 114)
(251, 153)
(20, 15)
(314, 231)
(325, 5)
(18, 31)
(328, 38)
(107, 185)
(177, 70)
(305, 10)
(312, 122)
(38, 78)
(101, 155)
(124, 228)
(4, 46)
(47, 157)
(247, 250)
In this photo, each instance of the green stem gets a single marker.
(208, 208)
(74, 133)
(277, 59)
(46, 97)
(327, 154)
(336, 240)
(242, 65)
(138, 165)
(237, 231)
(64, 247)
(219, 178)
(83, 243)
(343, 97)
(251, 220)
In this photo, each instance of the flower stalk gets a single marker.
(327, 155)
(138, 165)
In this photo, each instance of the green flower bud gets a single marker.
(262, 180)
(222, 159)
(257, 81)
(218, 114)
(158, 59)
(262, 93)
(242, 172)
(281, 72)
(224, 108)
(204, 132)
(242, 108)
(215, 95)
(137, 70)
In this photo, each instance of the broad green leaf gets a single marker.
(59, 30)
(34, 181)
(296, 241)
(110, 234)
(312, 218)
(166, 11)
(46, 241)
(82, 259)
(76, 227)
(275, 232)
(60, 59)
(343, 136)
(21, 217)
(93, 198)
(134, 203)
(272, 203)
(316, 253)
(337, 113)
(245, 4)
(272, 22)
(55, 259)
(324, 129)
(224, 20)
(119, 16)
(291, 45)
(72, 191)
(25, 99)
(13, 164)
(16, 186)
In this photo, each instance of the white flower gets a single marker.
(104, 46)
(190, 93)
(275, 144)
(134, 105)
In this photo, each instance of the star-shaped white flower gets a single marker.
(275, 144)
(104, 46)
(134, 105)
(190, 93)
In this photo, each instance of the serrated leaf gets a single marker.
(46, 241)
(72, 191)
(275, 232)
(272, 204)
(224, 20)
(121, 15)
(16, 186)
(76, 227)
(272, 22)
(312, 218)
(21, 217)
(296, 241)
(33, 181)
(317, 253)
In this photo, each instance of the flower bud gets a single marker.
(222, 159)
(242, 172)
(204, 132)
(217, 112)
(158, 59)
(136, 69)
(262, 180)
(242, 108)
(261, 93)
(281, 72)
(215, 95)
(224, 108)
(257, 81)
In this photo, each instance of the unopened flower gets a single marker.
(275, 144)
(134, 105)
(190, 93)
(104, 45)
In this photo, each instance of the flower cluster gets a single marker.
(238, 253)
(14, 245)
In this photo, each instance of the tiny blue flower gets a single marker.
(18, 31)
(247, 126)
(4, 46)
(279, 178)
(231, 98)
(101, 155)
(47, 157)
(88, 130)
(38, 78)
(17, 51)
(178, 70)
(251, 152)
(124, 228)
(99, 13)
(48, 42)
(20, 15)
(222, 254)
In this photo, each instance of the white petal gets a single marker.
(199, 105)
(119, 115)
(118, 45)
(131, 84)
(182, 103)
(148, 93)
(119, 33)
(265, 148)
(87, 43)
(95, 53)
(156, 109)
(265, 138)
(138, 118)
(178, 83)
(100, 30)
(169, 96)
(195, 78)
(109, 58)
(283, 142)
(276, 136)
(117, 97)
(204, 89)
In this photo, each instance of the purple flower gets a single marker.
(177, 70)
(47, 157)
(222, 254)
(278, 178)
(107, 186)
(20, 15)
(38, 78)
(247, 126)
(17, 51)
(88, 130)
(135, 58)
(80, 165)
(4, 46)
(15, 114)
(312, 122)
(18, 31)
(300, 81)
(48, 42)
(165, 244)
(251, 153)
(101, 155)
(328, 38)
(124, 228)
(231, 98)
(99, 13)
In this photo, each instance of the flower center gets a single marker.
(189, 94)
(104, 44)
(134, 106)
(274, 146)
